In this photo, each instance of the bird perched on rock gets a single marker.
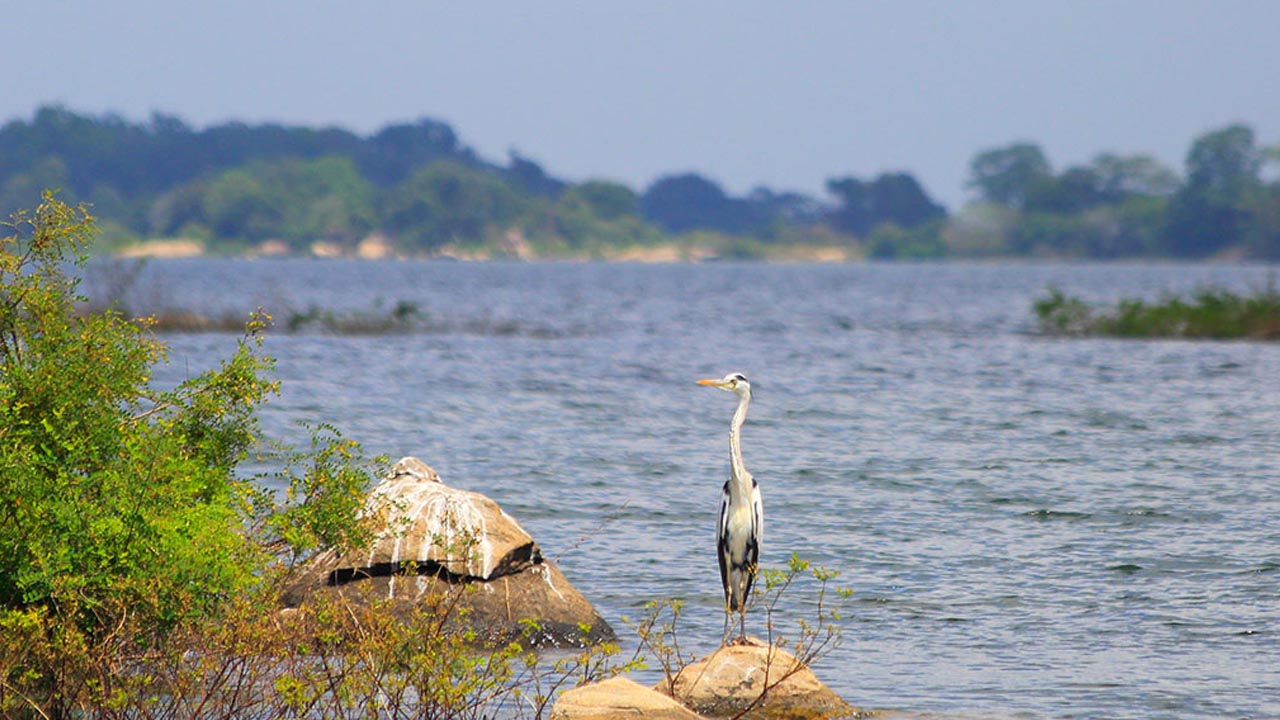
(741, 514)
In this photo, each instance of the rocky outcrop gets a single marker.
(618, 698)
(435, 539)
(734, 677)
(438, 528)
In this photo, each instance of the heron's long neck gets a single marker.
(741, 478)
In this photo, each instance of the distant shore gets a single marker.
(378, 248)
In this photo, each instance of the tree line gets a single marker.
(236, 185)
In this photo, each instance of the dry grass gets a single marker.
(334, 658)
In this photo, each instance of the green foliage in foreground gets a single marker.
(1209, 313)
(337, 658)
(110, 487)
(121, 504)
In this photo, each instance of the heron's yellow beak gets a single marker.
(713, 382)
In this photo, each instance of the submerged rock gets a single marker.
(733, 678)
(435, 539)
(618, 698)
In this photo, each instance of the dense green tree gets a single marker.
(1006, 175)
(239, 183)
(530, 177)
(1263, 235)
(686, 202)
(1114, 207)
(324, 199)
(1262, 239)
(1075, 190)
(447, 202)
(152, 157)
(235, 204)
(1225, 161)
(790, 207)
(23, 189)
(895, 198)
(679, 202)
(1130, 228)
(690, 201)
(397, 150)
(298, 200)
(606, 200)
(598, 214)
(1211, 211)
(1122, 176)
(890, 241)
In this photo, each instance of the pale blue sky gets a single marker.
(786, 94)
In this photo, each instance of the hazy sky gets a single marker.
(786, 94)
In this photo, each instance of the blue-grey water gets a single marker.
(1031, 526)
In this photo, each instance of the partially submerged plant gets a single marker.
(1209, 313)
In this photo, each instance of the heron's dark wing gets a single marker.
(722, 540)
(757, 521)
(756, 539)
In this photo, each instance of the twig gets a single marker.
(594, 531)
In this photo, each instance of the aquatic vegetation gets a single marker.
(1209, 313)
(403, 317)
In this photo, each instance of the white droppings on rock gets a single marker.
(432, 540)
(428, 522)
(546, 577)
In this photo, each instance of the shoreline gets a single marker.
(181, 248)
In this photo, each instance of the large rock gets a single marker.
(429, 524)
(618, 698)
(735, 676)
(434, 539)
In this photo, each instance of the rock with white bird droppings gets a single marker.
(429, 524)
(433, 539)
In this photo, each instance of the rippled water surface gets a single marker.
(1031, 527)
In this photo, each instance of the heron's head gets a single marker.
(734, 382)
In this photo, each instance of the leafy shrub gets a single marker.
(121, 508)
(111, 488)
(337, 657)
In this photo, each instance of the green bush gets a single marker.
(890, 241)
(111, 488)
(120, 502)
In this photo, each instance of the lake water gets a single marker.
(1031, 526)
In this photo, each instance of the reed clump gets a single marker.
(1209, 313)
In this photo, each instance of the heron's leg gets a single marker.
(724, 637)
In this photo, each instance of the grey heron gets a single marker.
(741, 513)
